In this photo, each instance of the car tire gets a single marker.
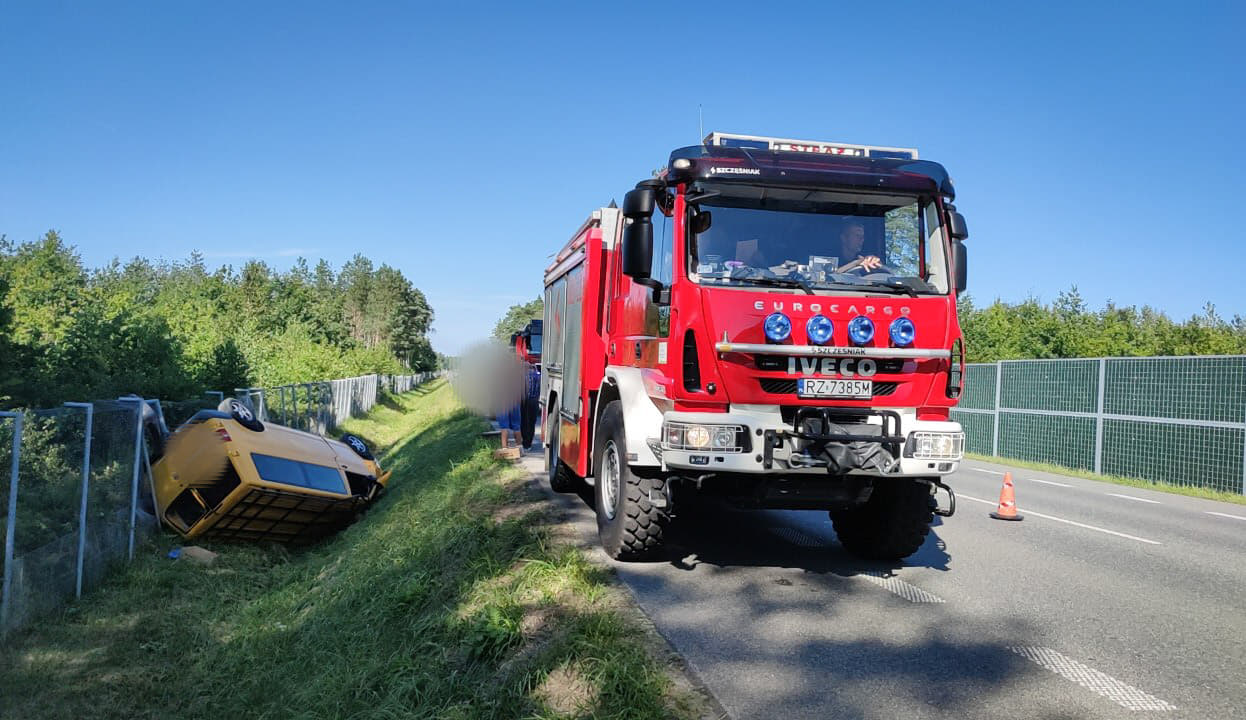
(891, 525)
(355, 443)
(629, 525)
(561, 479)
(239, 411)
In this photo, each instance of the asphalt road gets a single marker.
(1104, 602)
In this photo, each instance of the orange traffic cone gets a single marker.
(1007, 509)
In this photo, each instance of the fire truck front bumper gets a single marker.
(883, 442)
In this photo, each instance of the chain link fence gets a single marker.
(320, 407)
(1173, 420)
(70, 497)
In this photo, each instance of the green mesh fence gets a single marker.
(1174, 454)
(1056, 385)
(1174, 420)
(979, 392)
(979, 430)
(1056, 439)
(1192, 388)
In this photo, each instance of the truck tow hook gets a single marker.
(950, 510)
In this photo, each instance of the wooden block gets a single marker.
(199, 555)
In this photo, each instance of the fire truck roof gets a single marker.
(779, 161)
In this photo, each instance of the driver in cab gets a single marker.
(851, 240)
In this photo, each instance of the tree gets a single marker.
(172, 330)
(517, 317)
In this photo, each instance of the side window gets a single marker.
(936, 260)
(658, 317)
(663, 248)
(900, 229)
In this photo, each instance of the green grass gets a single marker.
(450, 599)
(1188, 490)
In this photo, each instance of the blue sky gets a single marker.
(463, 143)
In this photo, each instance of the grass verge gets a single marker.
(1188, 490)
(452, 598)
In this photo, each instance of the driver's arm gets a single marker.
(865, 262)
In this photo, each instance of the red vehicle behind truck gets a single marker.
(768, 320)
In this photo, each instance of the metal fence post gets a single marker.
(138, 448)
(1099, 418)
(999, 380)
(11, 527)
(86, 486)
(220, 395)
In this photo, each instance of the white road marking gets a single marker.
(989, 472)
(797, 537)
(1069, 522)
(1235, 517)
(912, 593)
(1127, 696)
(1048, 482)
(1131, 497)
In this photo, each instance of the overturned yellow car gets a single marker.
(226, 475)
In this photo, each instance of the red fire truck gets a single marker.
(770, 320)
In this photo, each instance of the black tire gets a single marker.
(629, 526)
(891, 525)
(354, 442)
(561, 479)
(239, 411)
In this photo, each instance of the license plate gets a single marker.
(829, 388)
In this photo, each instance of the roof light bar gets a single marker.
(756, 142)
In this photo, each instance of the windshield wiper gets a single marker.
(778, 282)
(896, 285)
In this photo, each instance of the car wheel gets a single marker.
(239, 411)
(358, 445)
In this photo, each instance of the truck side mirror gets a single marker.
(958, 230)
(961, 258)
(638, 203)
(637, 247)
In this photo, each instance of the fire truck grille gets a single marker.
(890, 366)
(784, 386)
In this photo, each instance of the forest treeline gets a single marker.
(1067, 328)
(174, 329)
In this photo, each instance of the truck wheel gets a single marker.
(630, 527)
(891, 525)
(561, 479)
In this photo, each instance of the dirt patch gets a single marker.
(565, 691)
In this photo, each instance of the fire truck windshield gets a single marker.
(828, 241)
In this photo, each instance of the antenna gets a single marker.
(700, 123)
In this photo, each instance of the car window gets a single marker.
(292, 472)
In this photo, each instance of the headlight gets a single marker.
(902, 331)
(777, 326)
(712, 438)
(819, 329)
(697, 436)
(936, 445)
(861, 330)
